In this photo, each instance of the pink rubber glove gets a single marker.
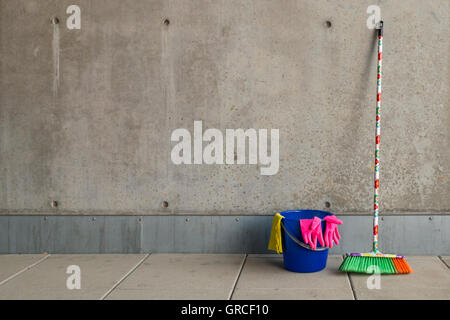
(331, 231)
(311, 231)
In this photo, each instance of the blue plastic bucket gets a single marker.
(296, 257)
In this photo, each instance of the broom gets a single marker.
(375, 261)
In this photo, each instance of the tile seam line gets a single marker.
(236, 280)
(25, 269)
(443, 261)
(126, 275)
(350, 282)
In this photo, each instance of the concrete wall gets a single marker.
(86, 115)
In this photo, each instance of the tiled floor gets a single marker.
(265, 278)
(208, 276)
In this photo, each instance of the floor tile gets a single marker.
(182, 276)
(430, 280)
(266, 278)
(13, 263)
(47, 280)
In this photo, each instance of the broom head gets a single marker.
(375, 263)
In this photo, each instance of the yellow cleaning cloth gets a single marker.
(275, 234)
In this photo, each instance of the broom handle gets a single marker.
(377, 142)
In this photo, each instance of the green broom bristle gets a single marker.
(370, 265)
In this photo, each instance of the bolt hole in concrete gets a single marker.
(327, 204)
(328, 24)
(165, 204)
(166, 22)
(54, 204)
(55, 20)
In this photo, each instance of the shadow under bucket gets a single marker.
(298, 256)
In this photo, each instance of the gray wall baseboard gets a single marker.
(403, 234)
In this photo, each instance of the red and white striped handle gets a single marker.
(376, 201)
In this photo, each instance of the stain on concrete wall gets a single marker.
(86, 117)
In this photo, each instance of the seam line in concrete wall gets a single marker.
(350, 282)
(24, 269)
(7, 232)
(107, 293)
(244, 260)
(141, 234)
(443, 261)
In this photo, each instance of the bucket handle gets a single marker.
(304, 245)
